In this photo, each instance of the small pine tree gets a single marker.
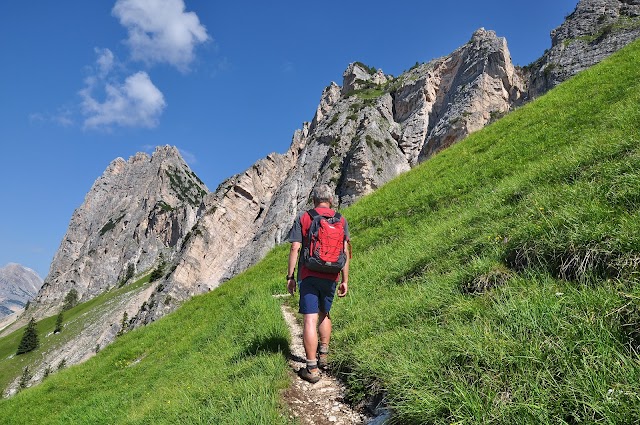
(29, 340)
(157, 272)
(47, 372)
(25, 378)
(124, 325)
(128, 275)
(59, 321)
(70, 300)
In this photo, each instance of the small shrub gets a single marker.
(47, 372)
(25, 378)
(70, 300)
(62, 364)
(59, 321)
(158, 272)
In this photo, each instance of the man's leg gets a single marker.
(324, 328)
(310, 335)
(310, 341)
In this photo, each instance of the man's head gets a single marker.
(322, 193)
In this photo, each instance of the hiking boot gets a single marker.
(312, 375)
(322, 361)
(323, 354)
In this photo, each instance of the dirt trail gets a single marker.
(319, 403)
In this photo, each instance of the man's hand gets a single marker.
(343, 289)
(291, 285)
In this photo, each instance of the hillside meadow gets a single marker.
(496, 283)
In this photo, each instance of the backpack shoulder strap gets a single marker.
(313, 213)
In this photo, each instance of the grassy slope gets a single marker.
(489, 285)
(543, 205)
(11, 366)
(218, 360)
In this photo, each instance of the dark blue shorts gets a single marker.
(316, 295)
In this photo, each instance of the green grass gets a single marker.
(549, 194)
(221, 359)
(494, 284)
(11, 365)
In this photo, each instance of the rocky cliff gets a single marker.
(364, 133)
(595, 30)
(135, 215)
(18, 285)
(374, 127)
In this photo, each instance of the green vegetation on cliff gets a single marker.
(495, 283)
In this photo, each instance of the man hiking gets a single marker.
(323, 235)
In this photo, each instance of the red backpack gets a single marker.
(324, 250)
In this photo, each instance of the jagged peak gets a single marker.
(358, 75)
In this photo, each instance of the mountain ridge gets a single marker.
(363, 134)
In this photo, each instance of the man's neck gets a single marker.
(323, 205)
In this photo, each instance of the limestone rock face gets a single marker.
(595, 30)
(358, 76)
(136, 212)
(230, 217)
(18, 285)
(362, 135)
(443, 101)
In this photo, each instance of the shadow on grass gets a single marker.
(265, 345)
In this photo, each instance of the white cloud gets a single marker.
(161, 31)
(104, 62)
(135, 103)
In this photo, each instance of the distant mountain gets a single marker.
(18, 285)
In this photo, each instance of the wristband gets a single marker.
(289, 278)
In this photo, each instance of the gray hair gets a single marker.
(322, 193)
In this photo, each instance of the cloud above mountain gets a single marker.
(136, 102)
(161, 31)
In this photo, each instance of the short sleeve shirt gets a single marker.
(299, 232)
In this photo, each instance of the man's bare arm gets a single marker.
(294, 252)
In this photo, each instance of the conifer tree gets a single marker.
(70, 300)
(29, 340)
(124, 325)
(47, 372)
(59, 320)
(25, 378)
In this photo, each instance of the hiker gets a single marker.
(317, 288)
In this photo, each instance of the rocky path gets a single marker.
(319, 403)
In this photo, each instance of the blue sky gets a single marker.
(84, 82)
